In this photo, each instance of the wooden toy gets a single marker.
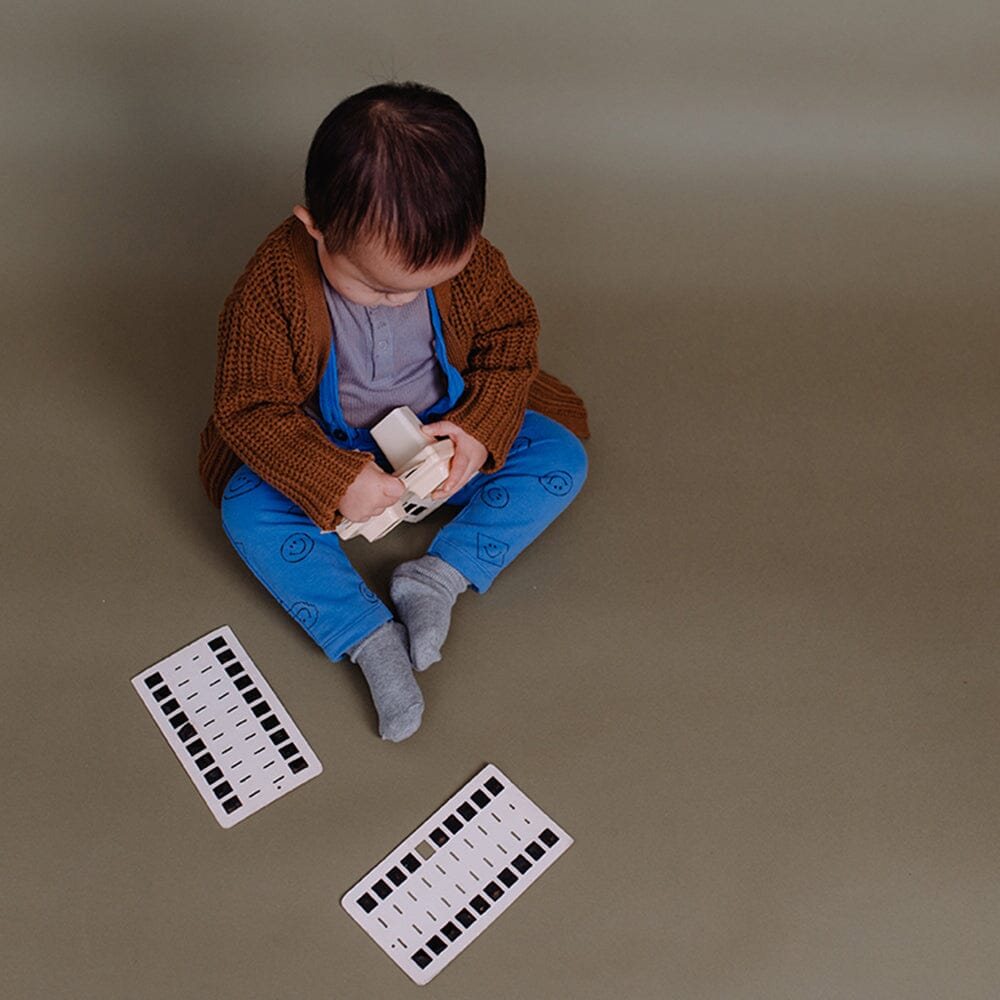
(418, 460)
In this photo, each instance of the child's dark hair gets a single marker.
(403, 163)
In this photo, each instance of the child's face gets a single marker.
(369, 275)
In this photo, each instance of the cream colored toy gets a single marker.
(418, 460)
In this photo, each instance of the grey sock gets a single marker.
(385, 662)
(424, 592)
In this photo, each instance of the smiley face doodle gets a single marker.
(495, 496)
(521, 443)
(491, 550)
(242, 481)
(304, 613)
(557, 483)
(296, 547)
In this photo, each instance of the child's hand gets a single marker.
(370, 494)
(468, 459)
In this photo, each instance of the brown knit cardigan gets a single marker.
(274, 342)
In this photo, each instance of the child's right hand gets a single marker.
(370, 494)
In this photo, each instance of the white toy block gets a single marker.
(419, 461)
(401, 437)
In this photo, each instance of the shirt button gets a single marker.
(340, 435)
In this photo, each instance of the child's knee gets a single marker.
(575, 456)
(233, 519)
(565, 458)
(239, 505)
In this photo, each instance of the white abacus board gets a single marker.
(234, 738)
(431, 897)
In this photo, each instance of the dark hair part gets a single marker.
(403, 163)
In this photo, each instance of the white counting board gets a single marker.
(451, 878)
(231, 734)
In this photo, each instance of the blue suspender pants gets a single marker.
(500, 514)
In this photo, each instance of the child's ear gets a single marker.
(302, 214)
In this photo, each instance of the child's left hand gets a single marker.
(468, 459)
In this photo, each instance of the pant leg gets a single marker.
(305, 570)
(503, 512)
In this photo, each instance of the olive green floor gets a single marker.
(753, 670)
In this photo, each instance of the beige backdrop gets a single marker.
(753, 670)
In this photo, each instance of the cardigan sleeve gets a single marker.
(498, 319)
(266, 370)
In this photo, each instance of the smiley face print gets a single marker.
(557, 483)
(304, 613)
(296, 547)
(491, 550)
(496, 496)
(242, 481)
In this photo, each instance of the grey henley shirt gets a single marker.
(385, 357)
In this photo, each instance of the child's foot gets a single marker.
(385, 662)
(424, 592)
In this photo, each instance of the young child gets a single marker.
(380, 291)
